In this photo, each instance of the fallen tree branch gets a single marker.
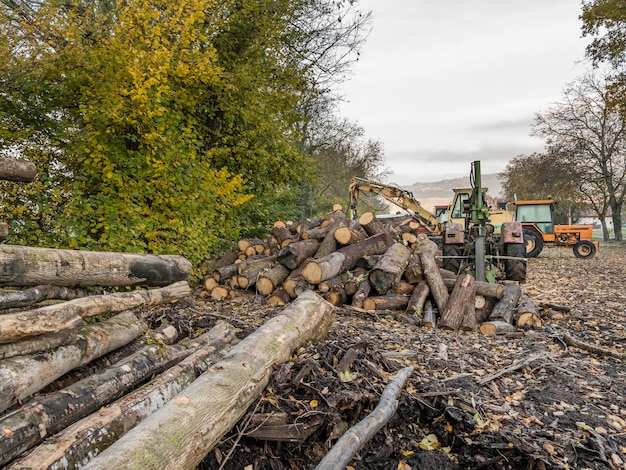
(357, 436)
(34, 295)
(571, 341)
(512, 368)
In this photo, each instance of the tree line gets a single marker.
(584, 162)
(175, 127)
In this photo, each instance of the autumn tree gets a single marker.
(161, 126)
(532, 177)
(589, 132)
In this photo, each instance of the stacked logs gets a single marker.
(372, 264)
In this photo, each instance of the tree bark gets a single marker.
(460, 303)
(179, 435)
(296, 253)
(375, 245)
(328, 244)
(487, 289)
(34, 295)
(417, 299)
(352, 233)
(52, 413)
(272, 279)
(77, 444)
(295, 284)
(362, 292)
(414, 271)
(321, 269)
(426, 250)
(21, 376)
(505, 307)
(250, 270)
(430, 320)
(386, 302)
(61, 337)
(52, 318)
(22, 171)
(389, 269)
(282, 235)
(27, 266)
(496, 327)
(279, 297)
(371, 224)
(527, 316)
(355, 276)
(356, 437)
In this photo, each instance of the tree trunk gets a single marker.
(27, 266)
(354, 278)
(336, 296)
(460, 303)
(386, 302)
(296, 253)
(388, 271)
(22, 171)
(77, 444)
(362, 292)
(414, 271)
(356, 437)
(375, 245)
(426, 250)
(282, 235)
(328, 244)
(505, 307)
(52, 318)
(321, 269)
(527, 316)
(487, 289)
(279, 297)
(350, 234)
(496, 327)
(271, 279)
(243, 245)
(224, 273)
(295, 284)
(179, 435)
(250, 271)
(417, 299)
(54, 412)
(34, 295)
(63, 336)
(430, 320)
(371, 224)
(21, 376)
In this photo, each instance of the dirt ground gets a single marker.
(523, 400)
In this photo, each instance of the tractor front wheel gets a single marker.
(533, 241)
(451, 264)
(584, 249)
(515, 270)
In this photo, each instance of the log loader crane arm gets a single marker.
(399, 197)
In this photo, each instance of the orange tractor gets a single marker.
(537, 218)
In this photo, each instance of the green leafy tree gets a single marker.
(528, 177)
(163, 127)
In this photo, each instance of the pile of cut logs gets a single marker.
(371, 264)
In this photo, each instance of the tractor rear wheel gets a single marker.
(533, 241)
(451, 264)
(515, 270)
(584, 249)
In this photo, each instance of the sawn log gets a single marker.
(22, 266)
(179, 435)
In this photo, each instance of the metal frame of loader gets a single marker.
(470, 241)
(477, 248)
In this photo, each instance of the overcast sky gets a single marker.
(444, 83)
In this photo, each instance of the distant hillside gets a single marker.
(441, 192)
